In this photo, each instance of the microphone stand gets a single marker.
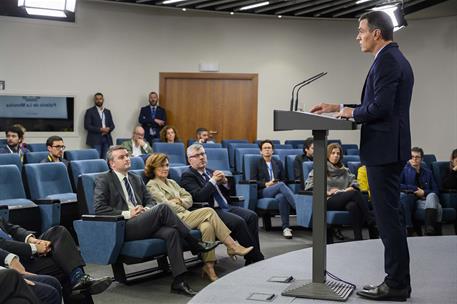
(302, 83)
(305, 83)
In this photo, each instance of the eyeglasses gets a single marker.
(59, 147)
(198, 155)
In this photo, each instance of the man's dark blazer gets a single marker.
(147, 121)
(261, 175)
(17, 245)
(93, 123)
(109, 198)
(384, 111)
(201, 191)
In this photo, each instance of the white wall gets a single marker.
(120, 50)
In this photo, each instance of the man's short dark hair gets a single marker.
(14, 129)
(50, 141)
(266, 141)
(308, 142)
(381, 21)
(200, 131)
(98, 94)
(418, 150)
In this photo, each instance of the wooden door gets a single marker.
(225, 104)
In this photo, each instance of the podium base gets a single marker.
(330, 290)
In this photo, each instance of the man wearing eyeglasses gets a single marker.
(56, 148)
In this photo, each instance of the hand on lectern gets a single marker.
(325, 108)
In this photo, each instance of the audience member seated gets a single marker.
(152, 117)
(120, 192)
(53, 253)
(14, 137)
(55, 148)
(20, 287)
(270, 176)
(169, 135)
(343, 192)
(203, 136)
(137, 145)
(308, 151)
(210, 186)
(167, 191)
(419, 182)
(24, 131)
(450, 179)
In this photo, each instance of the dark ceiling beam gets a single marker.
(414, 6)
(301, 6)
(357, 8)
(344, 4)
(319, 7)
(280, 5)
(190, 3)
(238, 4)
(214, 3)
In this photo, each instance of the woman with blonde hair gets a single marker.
(167, 191)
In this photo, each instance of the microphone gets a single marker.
(305, 83)
(299, 84)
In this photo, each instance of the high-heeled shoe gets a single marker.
(210, 273)
(237, 249)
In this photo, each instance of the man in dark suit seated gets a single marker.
(210, 186)
(308, 151)
(56, 148)
(23, 288)
(119, 192)
(54, 253)
(152, 118)
(14, 137)
(99, 124)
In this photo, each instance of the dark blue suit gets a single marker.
(93, 123)
(384, 148)
(147, 121)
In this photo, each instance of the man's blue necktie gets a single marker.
(217, 195)
(129, 191)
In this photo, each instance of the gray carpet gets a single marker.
(157, 290)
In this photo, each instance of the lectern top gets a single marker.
(291, 120)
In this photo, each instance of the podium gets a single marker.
(319, 287)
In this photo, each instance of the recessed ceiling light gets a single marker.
(279, 16)
(232, 13)
(184, 9)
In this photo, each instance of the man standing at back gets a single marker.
(99, 124)
(384, 145)
(152, 118)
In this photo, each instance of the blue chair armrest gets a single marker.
(50, 212)
(304, 210)
(100, 238)
(249, 192)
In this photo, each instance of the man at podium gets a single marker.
(384, 145)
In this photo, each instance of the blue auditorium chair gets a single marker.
(282, 153)
(350, 158)
(231, 150)
(218, 160)
(293, 183)
(334, 141)
(35, 157)
(101, 240)
(274, 141)
(175, 152)
(211, 145)
(354, 167)
(37, 147)
(137, 163)
(428, 159)
(226, 142)
(81, 154)
(36, 216)
(11, 159)
(352, 147)
(239, 157)
(2, 142)
(176, 172)
(295, 143)
(283, 147)
(78, 167)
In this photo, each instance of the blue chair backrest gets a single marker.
(88, 186)
(295, 143)
(35, 157)
(218, 159)
(137, 163)
(289, 166)
(81, 154)
(334, 141)
(2, 142)
(429, 159)
(354, 167)
(346, 147)
(176, 172)
(37, 147)
(226, 142)
(307, 167)
(11, 159)
(231, 150)
(283, 146)
(350, 158)
(250, 161)
(175, 152)
(352, 152)
(440, 169)
(11, 183)
(47, 179)
(120, 140)
(212, 145)
(274, 141)
(85, 166)
(282, 153)
(140, 173)
(239, 157)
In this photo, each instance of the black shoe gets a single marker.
(373, 232)
(201, 247)
(182, 288)
(93, 286)
(338, 234)
(370, 287)
(384, 293)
